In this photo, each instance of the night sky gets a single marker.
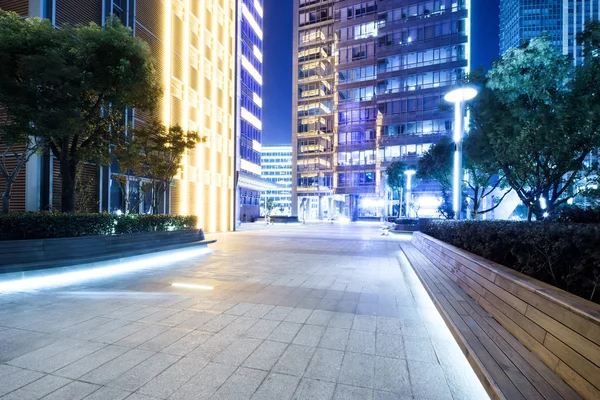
(277, 66)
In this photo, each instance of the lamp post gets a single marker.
(458, 97)
(409, 173)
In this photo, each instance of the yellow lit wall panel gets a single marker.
(195, 61)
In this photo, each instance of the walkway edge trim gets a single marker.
(485, 378)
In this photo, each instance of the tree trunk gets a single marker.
(9, 178)
(156, 193)
(549, 210)
(68, 174)
(477, 200)
(529, 213)
(6, 196)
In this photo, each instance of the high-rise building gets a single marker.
(196, 45)
(369, 77)
(276, 163)
(250, 58)
(561, 20)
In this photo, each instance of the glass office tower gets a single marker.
(276, 164)
(369, 78)
(561, 20)
(249, 138)
(313, 103)
(522, 20)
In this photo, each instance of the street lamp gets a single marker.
(458, 97)
(409, 173)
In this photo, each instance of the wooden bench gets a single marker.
(506, 368)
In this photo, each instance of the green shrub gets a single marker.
(563, 255)
(45, 225)
(133, 223)
(578, 214)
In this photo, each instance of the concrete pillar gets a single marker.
(320, 216)
(104, 183)
(354, 207)
(46, 177)
(33, 183)
(37, 8)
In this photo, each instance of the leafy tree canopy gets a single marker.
(436, 163)
(396, 178)
(538, 121)
(77, 82)
(154, 152)
(31, 73)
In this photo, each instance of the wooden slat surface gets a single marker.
(561, 329)
(516, 372)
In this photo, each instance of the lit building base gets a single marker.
(321, 207)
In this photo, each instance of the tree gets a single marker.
(31, 63)
(436, 164)
(587, 91)
(130, 158)
(110, 70)
(484, 175)
(155, 151)
(396, 179)
(539, 120)
(269, 207)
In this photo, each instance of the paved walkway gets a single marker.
(322, 311)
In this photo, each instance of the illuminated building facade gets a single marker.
(249, 136)
(369, 78)
(194, 44)
(561, 20)
(276, 164)
(199, 71)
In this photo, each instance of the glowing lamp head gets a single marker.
(460, 94)
(410, 172)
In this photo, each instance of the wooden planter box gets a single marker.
(283, 219)
(563, 330)
(20, 255)
(406, 227)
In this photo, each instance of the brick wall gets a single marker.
(18, 6)
(78, 12)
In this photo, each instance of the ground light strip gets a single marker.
(69, 278)
(191, 286)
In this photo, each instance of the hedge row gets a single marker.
(578, 214)
(407, 221)
(152, 223)
(45, 225)
(560, 254)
